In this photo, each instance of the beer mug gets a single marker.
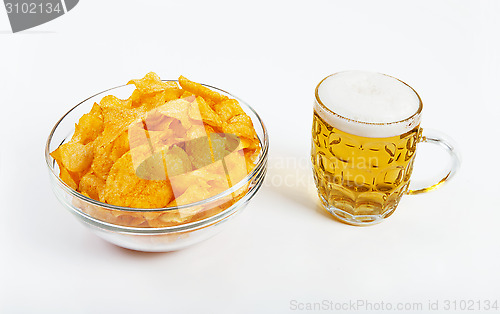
(366, 130)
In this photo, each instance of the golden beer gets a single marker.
(366, 127)
(361, 178)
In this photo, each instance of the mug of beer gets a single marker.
(366, 129)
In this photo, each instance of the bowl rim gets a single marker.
(261, 162)
(180, 228)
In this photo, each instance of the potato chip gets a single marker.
(120, 146)
(67, 178)
(117, 118)
(142, 153)
(128, 218)
(75, 157)
(236, 166)
(218, 185)
(157, 121)
(209, 129)
(178, 130)
(70, 178)
(199, 152)
(125, 188)
(102, 163)
(222, 144)
(201, 90)
(56, 154)
(251, 157)
(105, 156)
(177, 109)
(151, 92)
(209, 116)
(135, 100)
(151, 168)
(248, 143)
(195, 131)
(206, 150)
(186, 94)
(240, 125)
(162, 146)
(194, 193)
(172, 93)
(163, 164)
(168, 219)
(151, 83)
(176, 161)
(228, 109)
(150, 101)
(89, 126)
(137, 134)
(181, 182)
(91, 185)
(210, 103)
(194, 111)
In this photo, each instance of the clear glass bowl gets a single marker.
(122, 225)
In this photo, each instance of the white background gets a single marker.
(439, 246)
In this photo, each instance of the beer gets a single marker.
(364, 137)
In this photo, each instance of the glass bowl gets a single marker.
(122, 226)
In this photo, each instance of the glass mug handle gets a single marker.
(437, 138)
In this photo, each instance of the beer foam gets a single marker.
(368, 104)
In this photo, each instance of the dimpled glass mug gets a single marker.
(366, 129)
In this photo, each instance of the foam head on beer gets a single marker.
(361, 100)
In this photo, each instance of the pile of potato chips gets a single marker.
(165, 146)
